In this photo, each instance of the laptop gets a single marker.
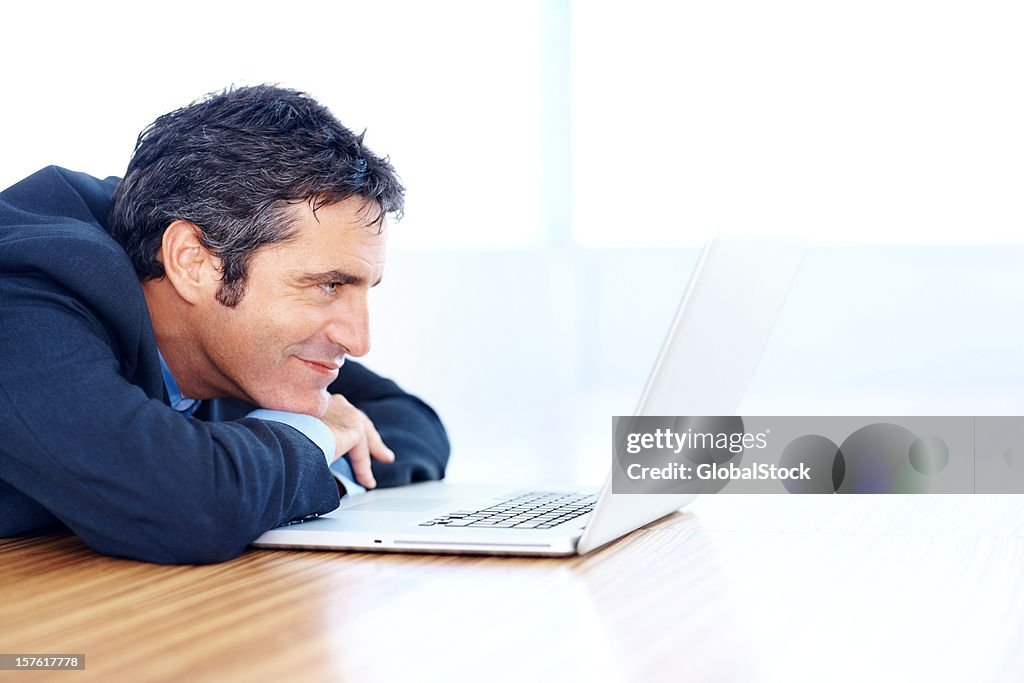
(712, 350)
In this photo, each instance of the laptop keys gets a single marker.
(526, 511)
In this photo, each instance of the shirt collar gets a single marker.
(178, 402)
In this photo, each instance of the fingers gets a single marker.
(369, 445)
(359, 456)
(377, 448)
(355, 434)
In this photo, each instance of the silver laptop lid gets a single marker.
(713, 348)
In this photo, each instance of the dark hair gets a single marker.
(233, 163)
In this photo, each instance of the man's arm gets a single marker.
(123, 470)
(407, 425)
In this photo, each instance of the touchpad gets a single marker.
(397, 505)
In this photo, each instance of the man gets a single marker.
(143, 321)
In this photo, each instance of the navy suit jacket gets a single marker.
(86, 436)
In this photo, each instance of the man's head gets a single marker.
(256, 222)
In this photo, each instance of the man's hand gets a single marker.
(355, 434)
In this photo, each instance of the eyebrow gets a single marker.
(339, 276)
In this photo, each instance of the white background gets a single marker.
(565, 160)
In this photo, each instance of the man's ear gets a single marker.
(189, 266)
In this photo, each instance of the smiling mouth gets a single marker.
(324, 368)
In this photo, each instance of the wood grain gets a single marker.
(740, 588)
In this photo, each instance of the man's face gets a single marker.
(304, 310)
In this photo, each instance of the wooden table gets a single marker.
(735, 588)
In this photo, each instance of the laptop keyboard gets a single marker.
(534, 510)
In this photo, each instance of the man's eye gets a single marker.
(328, 287)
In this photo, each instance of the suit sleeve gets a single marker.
(408, 426)
(128, 474)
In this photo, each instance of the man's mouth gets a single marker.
(324, 367)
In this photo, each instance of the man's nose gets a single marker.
(350, 327)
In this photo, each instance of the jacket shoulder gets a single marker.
(54, 221)
(55, 250)
(55, 192)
